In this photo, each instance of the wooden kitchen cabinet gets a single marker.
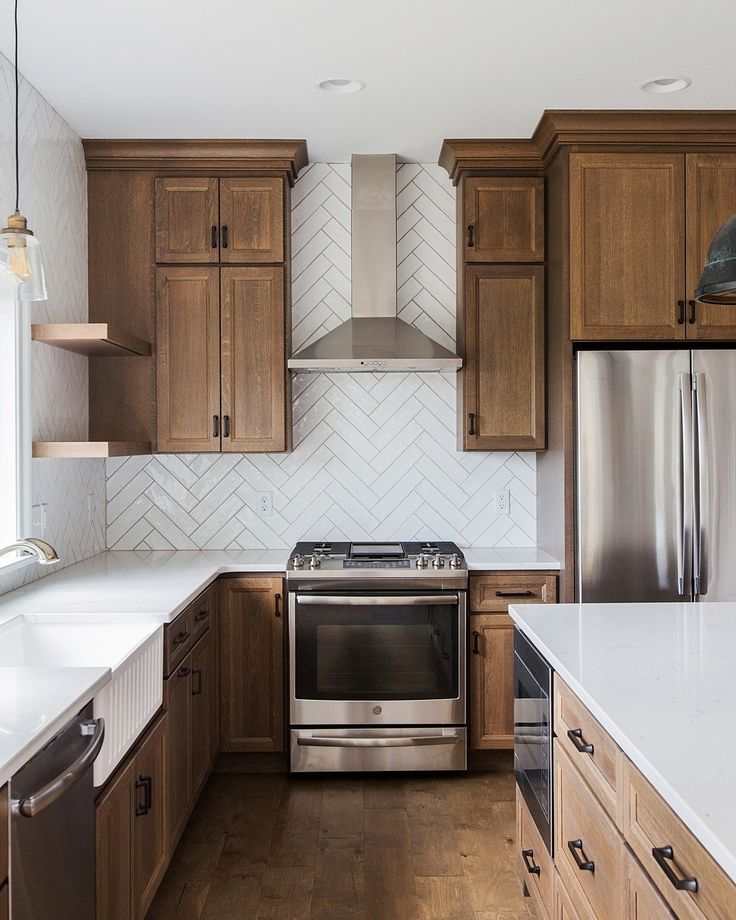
(5, 901)
(252, 219)
(501, 386)
(187, 219)
(205, 710)
(178, 704)
(491, 681)
(642, 900)
(503, 219)
(4, 855)
(252, 664)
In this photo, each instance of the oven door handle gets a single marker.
(358, 600)
(397, 741)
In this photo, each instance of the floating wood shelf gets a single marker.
(94, 339)
(72, 449)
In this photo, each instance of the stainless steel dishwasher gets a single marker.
(52, 828)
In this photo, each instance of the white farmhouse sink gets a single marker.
(132, 650)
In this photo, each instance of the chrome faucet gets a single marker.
(43, 551)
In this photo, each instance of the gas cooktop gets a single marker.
(360, 559)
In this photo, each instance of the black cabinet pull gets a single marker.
(184, 671)
(224, 237)
(197, 687)
(277, 604)
(680, 312)
(661, 856)
(585, 865)
(693, 304)
(471, 241)
(527, 856)
(576, 736)
(476, 637)
(214, 237)
(226, 426)
(180, 638)
(144, 783)
(215, 426)
(201, 615)
(471, 423)
(514, 594)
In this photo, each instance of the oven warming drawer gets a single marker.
(329, 750)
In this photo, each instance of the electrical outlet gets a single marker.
(264, 503)
(502, 499)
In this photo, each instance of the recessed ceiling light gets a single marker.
(666, 85)
(341, 85)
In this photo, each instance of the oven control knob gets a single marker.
(439, 561)
(455, 561)
(298, 562)
(421, 561)
(314, 561)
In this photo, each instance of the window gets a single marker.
(15, 447)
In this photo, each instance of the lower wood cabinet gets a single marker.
(534, 863)
(642, 900)
(5, 901)
(131, 833)
(4, 850)
(252, 614)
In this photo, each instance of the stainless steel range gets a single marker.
(377, 656)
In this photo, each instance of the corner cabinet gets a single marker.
(501, 327)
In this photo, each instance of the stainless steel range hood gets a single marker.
(375, 339)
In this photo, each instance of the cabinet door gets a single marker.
(643, 901)
(491, 681)
(252, 220)
(711, 200)
(178, 704)
(150, 844)
(252, 664)
(204, 693)
(188, 359)
(255, 391)
(503, 378)
(5, 901)
(114, 816)
(186, 220)
(503, 219)
(627, 246)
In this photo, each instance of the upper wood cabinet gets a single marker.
(252, 664)
(501, 386)
(220, 220)
(503, 219)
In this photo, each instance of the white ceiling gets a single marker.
(433, 68)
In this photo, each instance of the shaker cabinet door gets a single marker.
(187, 220)
(503, 219)
(252, 220)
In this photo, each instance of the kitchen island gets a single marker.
(660, 681)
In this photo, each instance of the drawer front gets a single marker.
(492, 593)
(177, 641)
(203, 611)
(588, 848)
(591, 749)
(643, 901)
(564, 909)
(534, 863)
(650, 823)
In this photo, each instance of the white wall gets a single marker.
(374, 454)
(54, 198)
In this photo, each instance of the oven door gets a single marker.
(377, 658)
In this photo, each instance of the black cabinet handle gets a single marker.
(277, 604)
(226, 426)
(144, 783)
(585, 865)
(184, 671)
(214, 237)
(693, 304)
(197, 686)
(471, 241)
(662, 856)
(215, 426)
(224, 237)
(514, 594)
(680, 312)
(576, 736)
(527, 855)
(471, 423)
(201, 615)
(180, 638)
(476, 637)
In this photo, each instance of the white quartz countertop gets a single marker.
(508, 559)
(661, 679)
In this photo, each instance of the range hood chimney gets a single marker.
(374, 339)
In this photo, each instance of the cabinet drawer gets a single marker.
(564, 909)
(177, 640)
(650, 823)
(643, 901)
(591, 748)
(588, 849)
(203, 611)
(534, 865)
(493, 593)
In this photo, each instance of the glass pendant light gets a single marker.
(20, 251)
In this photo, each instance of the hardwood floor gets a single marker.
(360, 847)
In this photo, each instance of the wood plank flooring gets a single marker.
(351, 847)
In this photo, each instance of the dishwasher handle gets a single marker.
(31, 805)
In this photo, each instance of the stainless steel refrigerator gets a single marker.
(656, 475)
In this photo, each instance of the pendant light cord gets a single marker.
(17, 161)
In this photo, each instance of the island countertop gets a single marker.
(661, 679)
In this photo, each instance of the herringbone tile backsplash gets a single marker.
(374, 454)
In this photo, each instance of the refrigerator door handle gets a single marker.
(684, 454)
(699, 450)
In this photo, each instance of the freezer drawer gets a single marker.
(317, 750)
